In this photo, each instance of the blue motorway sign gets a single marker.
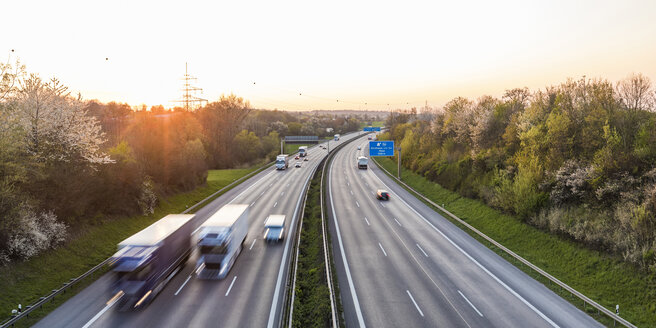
(381, 148)
(371, 129)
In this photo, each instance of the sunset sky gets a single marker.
(375, 52)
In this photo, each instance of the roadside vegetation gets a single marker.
(577, 159)
(312, 300)
(566, 177)
(24, 282)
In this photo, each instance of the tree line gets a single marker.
(577, 159)
(66, 162)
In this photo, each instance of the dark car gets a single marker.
(382, 194)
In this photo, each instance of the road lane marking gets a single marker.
(422, 250)
(512, 291)
(252, 245)
(383, 205)
(382, 249)
(470, 303)
(356, 203)
(413, 301)
(274, 205)
(111, 302)
(183, 284)
(349, 278)
(351, 191)
(262, 193)
(232, 283)
(253, 203)
(365, 218)
(282, 193)
(397, 222)
(288, 185)
(348, 184)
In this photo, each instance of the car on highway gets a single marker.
(306, 159)
(382, 194)
(298, 164)
(359, 148)
(296, 157)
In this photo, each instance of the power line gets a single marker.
(189, 100)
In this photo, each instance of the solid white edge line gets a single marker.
(538, 312)
(276, 293)
(232, 283)
(354, 296)
(382, 249)
(252, 244)
(183, 284)
(97, 316)
(421, 249)
(470, 303)
(413, 301)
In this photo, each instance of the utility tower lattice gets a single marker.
(189, 100)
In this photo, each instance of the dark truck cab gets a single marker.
(146, 261)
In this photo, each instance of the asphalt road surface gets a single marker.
(401, 264)
(252, 293)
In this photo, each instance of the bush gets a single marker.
(34, 232)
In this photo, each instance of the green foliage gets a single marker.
(312, 300)
(583, 144)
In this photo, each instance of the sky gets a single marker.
(293, 55)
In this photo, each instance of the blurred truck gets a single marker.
(302, 151)
(337, 137)
(220, 240)
(146, 262)
(362, 162)
(282, 162)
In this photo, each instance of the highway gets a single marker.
(252, 293)
(401, 264)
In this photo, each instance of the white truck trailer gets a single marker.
(220, 240)
(282, 162)
(362, 162)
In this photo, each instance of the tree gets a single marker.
(57, 126)
(636, 93)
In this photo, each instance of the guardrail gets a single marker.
(29, 308)
(333, 297)
(586, 300)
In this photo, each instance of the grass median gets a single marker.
(24, 282)
(602, 277)
(312, 297)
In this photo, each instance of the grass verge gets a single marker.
(602, 277)
(25, 282)
(312, 300)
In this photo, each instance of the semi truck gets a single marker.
(146, 261)
(274, 227)
(220, 240)
(362, 162)
(282, 162)
(337, 137)
(302, 151)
